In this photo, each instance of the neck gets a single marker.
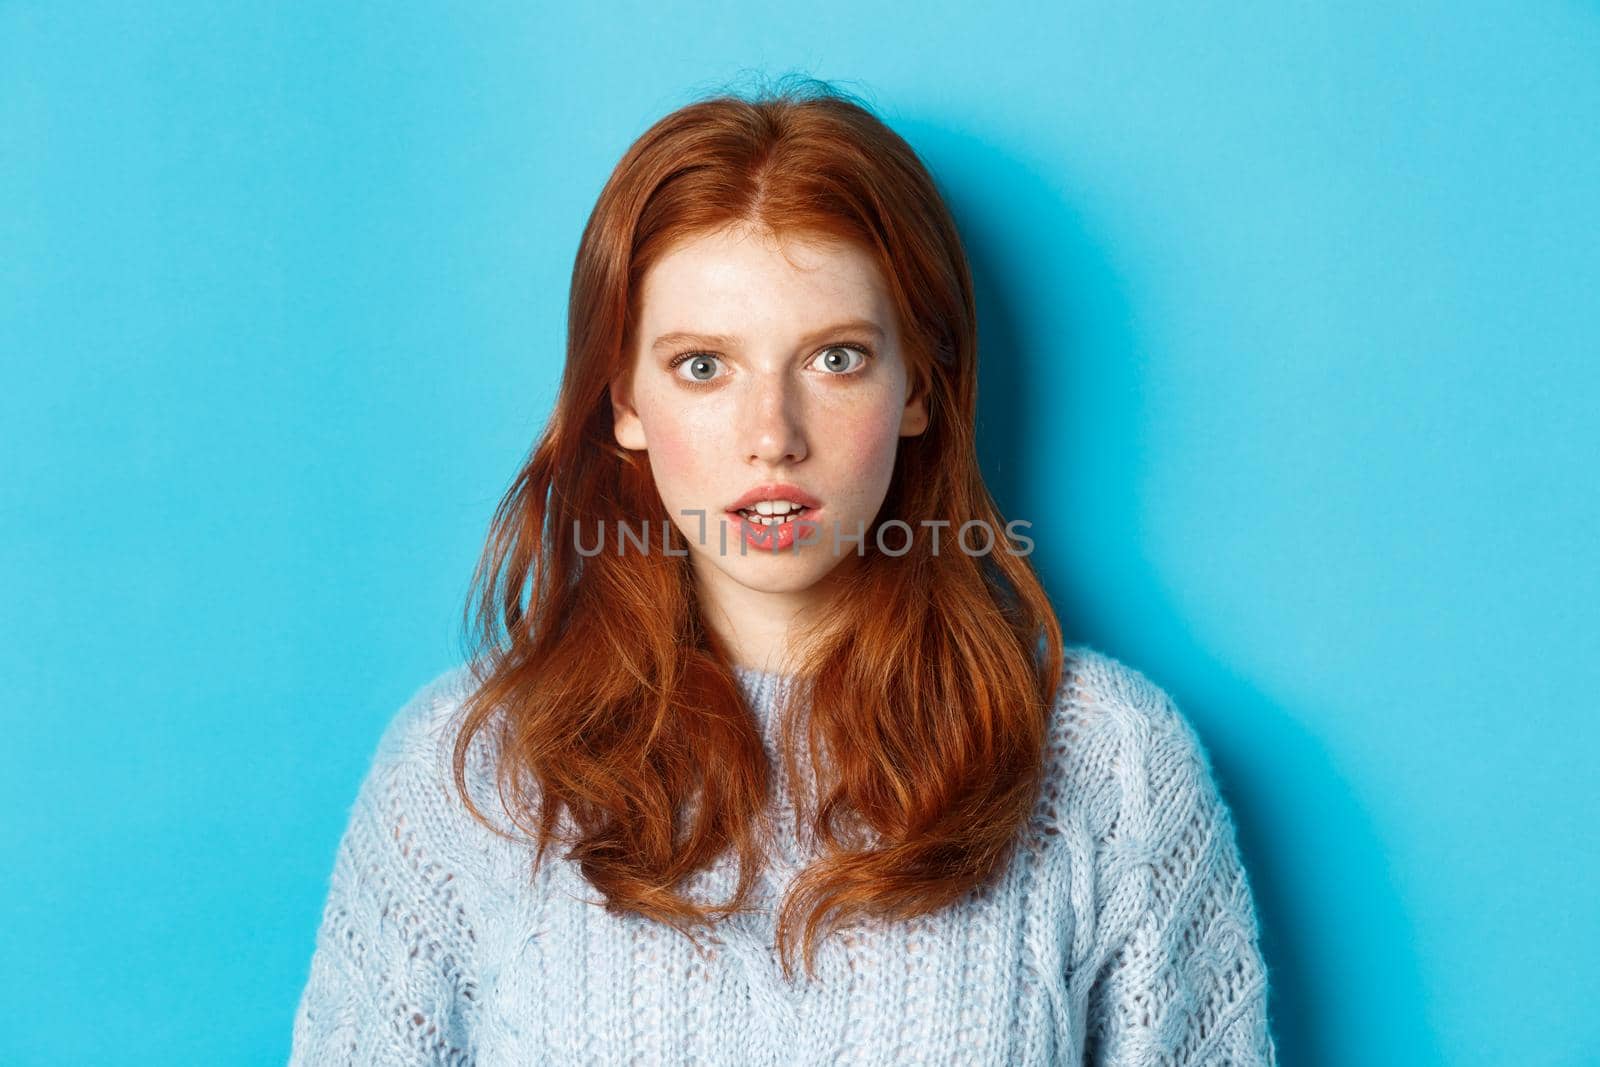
(756, 626)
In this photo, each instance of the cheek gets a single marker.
(671, 446)
(872, 440)
(881, 434)
(680, 451)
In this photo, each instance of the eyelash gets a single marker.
(860, 346)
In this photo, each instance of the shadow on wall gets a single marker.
(1048, 293)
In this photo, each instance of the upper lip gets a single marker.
(775, 491)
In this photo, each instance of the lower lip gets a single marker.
(774, 538)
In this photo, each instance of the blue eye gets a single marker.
(836, 358)
(701, 366)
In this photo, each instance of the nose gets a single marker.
(772, 422)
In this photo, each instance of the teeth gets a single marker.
(772, 512)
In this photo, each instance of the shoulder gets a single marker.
(1105, 693)
(425, 720)
(1118, 738)
(416, 751)
(1104, 700)
(412, 854)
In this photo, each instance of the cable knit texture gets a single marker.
(1122, 932)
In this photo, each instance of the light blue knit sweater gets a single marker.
(1123, 932)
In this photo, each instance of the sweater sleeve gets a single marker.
(1186, 984)
(391, 977)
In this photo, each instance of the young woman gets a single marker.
(762, 677)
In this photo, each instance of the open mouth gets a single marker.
(776, 518)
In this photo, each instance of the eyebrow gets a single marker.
(718, 340)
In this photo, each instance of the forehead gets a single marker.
(744, 271)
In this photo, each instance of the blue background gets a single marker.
(1290, 329)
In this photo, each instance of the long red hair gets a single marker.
(928, 681)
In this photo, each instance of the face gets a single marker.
(758, 363)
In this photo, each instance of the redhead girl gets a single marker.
(769, 749)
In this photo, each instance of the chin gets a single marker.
(770, 576)
(781, 573)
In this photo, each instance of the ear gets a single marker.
(914, 419)
(625, 424)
